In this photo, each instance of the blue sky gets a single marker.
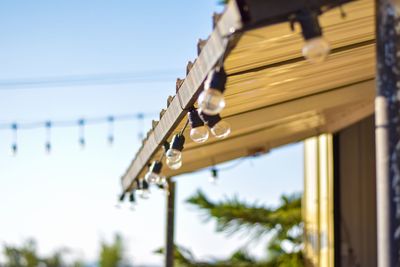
(67, 198)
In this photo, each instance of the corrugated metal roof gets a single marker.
(274, 97)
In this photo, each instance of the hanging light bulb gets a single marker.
(47, 145)
(199, 132)
(132, 199)
(170, 164)
(163, 184)
(219, 128)
(120, 200)
(138, 186)
(110, 137)
(144, 189)
(82, 141)
(214, 176)
(153, 175)
(316, 48)
(173, 165)
(211, 100)
(174, 153)
(14, 145)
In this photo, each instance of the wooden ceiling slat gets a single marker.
(306, 112)
(264, 46)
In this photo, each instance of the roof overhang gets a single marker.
(274, 97)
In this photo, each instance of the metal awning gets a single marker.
(274, 97)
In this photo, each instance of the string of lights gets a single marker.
(142, 187)
(211, 101)
(81, 123)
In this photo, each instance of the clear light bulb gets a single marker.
(164, 185)
(118, 205)
(145, 193)
(152, 178)
(163, 181)
(316, 49)
(132, 200)
(211, 101)
(122, 206)
(213, 179)
(174, 165)
(173, 155)
(199, 134)
(120, 202)
(221, 130)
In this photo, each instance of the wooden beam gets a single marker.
(170, 226)
(215, 48)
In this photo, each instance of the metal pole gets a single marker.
(169, 246)
(387, 120)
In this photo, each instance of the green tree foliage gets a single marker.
(26, 255)
(282, 224)
(112, 255)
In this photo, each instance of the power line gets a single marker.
(85, 80)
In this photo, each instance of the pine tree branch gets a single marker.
(233, 215)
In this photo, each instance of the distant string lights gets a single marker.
(155, 179)
(81, 124)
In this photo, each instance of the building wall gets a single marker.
(356, 214)
(339, 206)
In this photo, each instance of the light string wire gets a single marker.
(234, 164)
(184, 127)
(80, 123)
(75, 122)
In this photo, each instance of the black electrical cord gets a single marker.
(184, 127)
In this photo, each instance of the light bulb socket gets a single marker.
(177, 142)
(217, 79)
(309, 23)
(161, 186)
(145, 185)
(132, 197)
(166, 146)
(156, 167)
(194, 118)
(211, 120)
(214, 173)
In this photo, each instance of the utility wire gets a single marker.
(233, 165)
(84, 80)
